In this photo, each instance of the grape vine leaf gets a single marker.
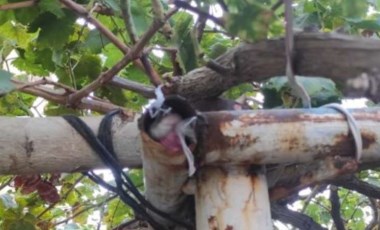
(277, 92)
(54, 32)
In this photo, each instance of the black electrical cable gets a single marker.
(98, 180)
(105, 137)
(105, 130)
(105, 155)
(103, 146)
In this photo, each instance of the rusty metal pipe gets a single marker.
(230, 198)
(286, 136)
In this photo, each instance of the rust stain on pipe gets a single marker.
(369, 138)
(236, 138)
(221, 122)
(326, 169)
(217, 188)
(344, 145)
(212, 223)
(234, 130)
(291, 139)
(213, 137)
(218, 138)
(368, 114)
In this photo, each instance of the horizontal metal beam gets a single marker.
(286, 136)
(38, 145)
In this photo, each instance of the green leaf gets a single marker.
(54, 31)
(114, 5)
(373, 25)
(72, 198)
(15, 35)
(313, 211)
(126, 98)
(307, 20)
(135, 74)
(88, 66)
(25, 15)
(214, 44)
(237, 91)
(277, 92)
(112, 54)
(95, 41)
(142, 17)
(53, 7)
(121, 97)
(354, 8)
(137, 177)
(29, 218)
(59, 57)
(11, 214)
(309, 7)
(185, 41)
(217, 49)
(117, 212)
(44, 58)
(35, 61)
(358, 214)
(87, 190)
(20, 225)
(6, 15)
(82, 217)
(18, 221)
(38, 209)
(248, 19)
(5, 82)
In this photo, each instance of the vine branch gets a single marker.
(81, 11)
(130, 27)
(134, 53)
(18, 5)
(185, 5)
(86, 210)
(60, 97)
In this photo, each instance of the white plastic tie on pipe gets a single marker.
(156, 107)
(183, 131)
(353, 126)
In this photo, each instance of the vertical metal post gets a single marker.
(232, 198)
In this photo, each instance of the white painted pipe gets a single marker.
(232, 198)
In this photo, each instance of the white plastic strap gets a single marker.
(353, 126)
(156, 107)
(182, 131)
